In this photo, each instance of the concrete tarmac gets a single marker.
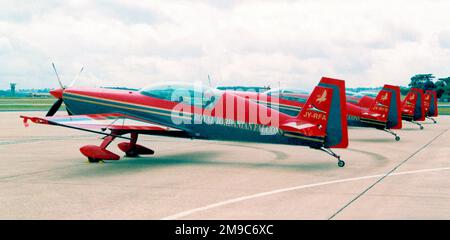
(44, 176)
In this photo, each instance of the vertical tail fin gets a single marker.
(432, 103)
(317, 108)
(380, 107)
(394, 120)
(336, 118)
(413, 106)
(409, 105)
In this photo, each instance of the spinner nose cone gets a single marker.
(57, 93)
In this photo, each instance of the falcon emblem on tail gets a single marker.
(322, 98)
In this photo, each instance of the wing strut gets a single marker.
(40, 120)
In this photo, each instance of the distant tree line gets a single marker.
(429, 82)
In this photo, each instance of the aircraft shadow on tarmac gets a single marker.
(428, 123)
(413, 128)
(204, 158)
(375, 140)
(373, 155)
(211, 158)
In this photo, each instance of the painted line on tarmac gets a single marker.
(263, 194)
(387, 174)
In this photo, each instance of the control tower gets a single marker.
(13, 89)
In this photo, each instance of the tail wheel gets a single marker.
(421, 127)
(341, 163)
(397, 138)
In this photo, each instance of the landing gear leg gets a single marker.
(397, 138)
(93, 158)
(432, 119)
(341, 163)
(418, 124)
(132, 149)
(132, 152)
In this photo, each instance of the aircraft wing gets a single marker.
(99, 123)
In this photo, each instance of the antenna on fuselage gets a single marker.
(279, 87)
(209, 80)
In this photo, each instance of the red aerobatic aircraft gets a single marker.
(430, 104)
(189, 111)
(382, 112)
(416, 106)
(413, 107)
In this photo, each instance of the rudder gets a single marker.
(337, 131)
(395, 111)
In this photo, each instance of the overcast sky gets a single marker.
(125, 43)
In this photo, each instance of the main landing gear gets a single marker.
(132, 149)
(341, 163)
(397, 138)
(432, 119)
(97, 154)
(418, 124)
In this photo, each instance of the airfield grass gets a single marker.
(27, 100)
(26, 104)
(36, 104)
(444, 111)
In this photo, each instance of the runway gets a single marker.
(44, 176)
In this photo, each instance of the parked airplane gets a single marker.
(416, 106)
(188, 111)
(430, 104)
(413, 109)
(383, 113)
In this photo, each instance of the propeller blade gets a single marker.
(54, 108)
(76, 78)
(57, 76)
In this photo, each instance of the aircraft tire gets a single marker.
(341, 163)
(94, 160)
(131, 153)
(397, 138)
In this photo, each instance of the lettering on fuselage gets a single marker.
(315, 115)
(262, 129)
(353, 118)
(232, 111)
(380, 109)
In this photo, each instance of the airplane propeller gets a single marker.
(55, 108)
(57, 93)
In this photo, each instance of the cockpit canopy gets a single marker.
(368, 93)
(189, 93)
(361, 94)
(291, 94)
